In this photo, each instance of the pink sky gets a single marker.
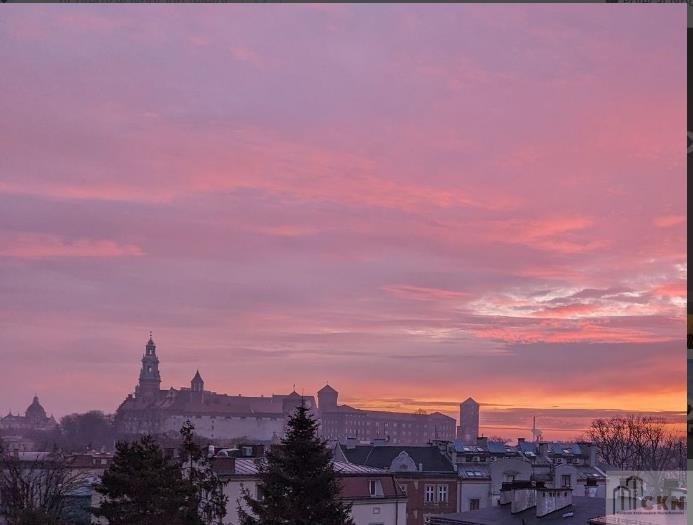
(414, 203)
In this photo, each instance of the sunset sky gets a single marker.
(414, 203)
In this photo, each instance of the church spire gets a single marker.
(197, 384)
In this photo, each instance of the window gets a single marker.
(376, 488)
(442, 493)
(474, 504)
(429, 494)
(565, 480)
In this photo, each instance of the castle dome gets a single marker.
(35, 411)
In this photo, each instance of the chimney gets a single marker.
(591, 453)
(552, 499)
(379, 441)
(543, 448)
(523, 496)
(420, 467)
(350, 443)
(520, 440)
(210, 451)
(506, 494)
(224, 465)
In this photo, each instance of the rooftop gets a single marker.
(248, 467)
(583, 509)
(381, 456)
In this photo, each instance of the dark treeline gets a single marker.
(91, 430)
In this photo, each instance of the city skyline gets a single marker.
(416, 204)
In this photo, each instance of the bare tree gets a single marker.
(638, 443)
(34, 486)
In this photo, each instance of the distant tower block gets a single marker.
(327, 399)
(469, 422)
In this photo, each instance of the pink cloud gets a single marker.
(667, 221)
(421, 293)
(386, 194)
(38, 246)
(243, 54)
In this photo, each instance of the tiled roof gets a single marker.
(583, 509)
(358, 487)
(655, 519)
(382, 414)
(496, 447)
(586, 471)
(527, 448)
(180, 401)
(248, 467)
(381, 456)
(245, 467)
(473, 471)
(350, 468)
(467, 449)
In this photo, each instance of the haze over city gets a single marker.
(416, 204)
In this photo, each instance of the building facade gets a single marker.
(484, 468)
(34, 419)
(423, 473)
(341, 422)
(375, 497)
(151, 409)
(155, 410)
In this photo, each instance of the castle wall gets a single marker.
(228, 427)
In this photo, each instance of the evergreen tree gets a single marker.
(207, 505)
(297, 481)
(143, 487)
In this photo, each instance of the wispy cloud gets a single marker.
(37, 246)
(324, 192)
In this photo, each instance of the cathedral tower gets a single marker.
(149, 374)
(327, 399)
(197, 388)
